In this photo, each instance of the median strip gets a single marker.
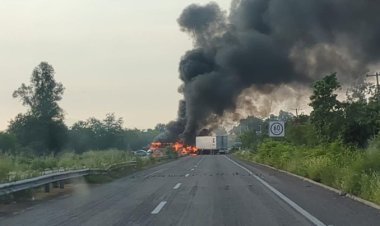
(159, 207)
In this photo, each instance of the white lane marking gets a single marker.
(177, 186)
(187, 175)
(200, 161)
(192, 169)
(159, 207)
(195, 166)
(153, 173)
(299, 209)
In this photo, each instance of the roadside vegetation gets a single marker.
(41, 130)
(22, 166)
(353, 171)
(39, 141)
(338, 144)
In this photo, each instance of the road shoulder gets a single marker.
(316, 199)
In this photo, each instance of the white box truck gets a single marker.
(212, 144)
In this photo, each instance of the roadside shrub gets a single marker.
(274, 153)
(5, 166)
(44, 162)
(372, 158)
(26, 165)
(170, 153)
(102, 159)
(70, 160)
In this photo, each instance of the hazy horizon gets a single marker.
(104, 52)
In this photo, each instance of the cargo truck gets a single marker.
(212, 144)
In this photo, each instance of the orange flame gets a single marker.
(155, 145)
(178, 146)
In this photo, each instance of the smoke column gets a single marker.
(268, 43)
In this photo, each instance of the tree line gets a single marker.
(42, 129)
(353, 121)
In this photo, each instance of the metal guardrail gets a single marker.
(8, 188)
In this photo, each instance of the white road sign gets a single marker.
(276, 128)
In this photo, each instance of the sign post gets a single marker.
(276, 128)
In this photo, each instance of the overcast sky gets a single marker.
(111, 55)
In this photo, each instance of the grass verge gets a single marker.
(15, 167)
(353, 171)
(112, 174)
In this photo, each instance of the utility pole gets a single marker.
(297, 109)
(377, 81)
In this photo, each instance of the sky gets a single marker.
(116, 56)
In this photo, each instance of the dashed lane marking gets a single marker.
(177, 186)
(159, 207)
(153, 173)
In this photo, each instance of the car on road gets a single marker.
(141, 153)
(224, 151)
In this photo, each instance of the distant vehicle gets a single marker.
(212, 144)
(141, 153)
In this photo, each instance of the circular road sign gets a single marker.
(276, 128)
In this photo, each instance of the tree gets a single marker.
(8, 142)
(250, 139)
(299, 131)
(285, 116)
(81, 137)
(113, 128)
(361, 114)
(250, 123)
(160, 127)
(327, 114)
(42, 127)
(97, 134)
(43, 93)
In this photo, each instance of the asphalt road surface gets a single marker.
(201, 190)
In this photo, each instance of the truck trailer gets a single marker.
(212, 144)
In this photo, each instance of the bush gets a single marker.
(170, 153)
(44, 162)
(5, 167)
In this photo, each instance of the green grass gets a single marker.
(354, 171)
(21, 166)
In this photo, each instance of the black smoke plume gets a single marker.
(266, 43)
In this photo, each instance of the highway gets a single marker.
(201, 190)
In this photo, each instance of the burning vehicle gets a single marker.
(178, 147)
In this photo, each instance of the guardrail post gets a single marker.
(61, 184)
(47, 187)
